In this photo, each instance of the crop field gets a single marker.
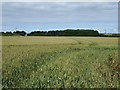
(60, 62)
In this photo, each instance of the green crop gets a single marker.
(60, 62)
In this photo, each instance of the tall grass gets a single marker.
(60, 62)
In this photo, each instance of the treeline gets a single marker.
(67, 32)
(16, 33)
(109, 35)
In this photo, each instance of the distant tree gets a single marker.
(116, 35)
(21, 33)
(1, 33)
(110, 35)
(37, 33)
(67, 32)
(7, 33)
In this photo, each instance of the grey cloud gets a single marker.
(59, 11)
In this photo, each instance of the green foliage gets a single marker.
(16, 33)
(110, 35)
(37, 33)
(60, 62)
(7, 33)
(68, 32)
(21, 33)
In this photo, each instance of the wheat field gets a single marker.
(60, 62)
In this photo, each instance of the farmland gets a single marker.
(60, 62)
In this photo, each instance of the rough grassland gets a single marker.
(60, 62)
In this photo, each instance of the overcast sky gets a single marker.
(30, 16)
